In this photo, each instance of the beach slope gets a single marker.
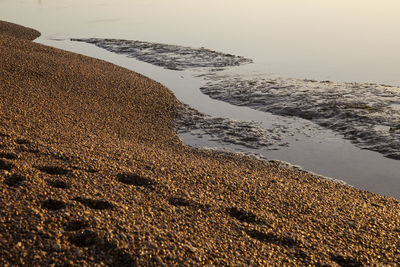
(92, 173)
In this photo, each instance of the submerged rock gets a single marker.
(173, 57)
(366, 114)
(249, 134)
(362, 113)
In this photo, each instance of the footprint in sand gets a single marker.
(179, 202)
(58, 184)
(75, 225)
(244, 216)
(86, 238)
(6, 165)
(136, 180)
(271, 238)
(8, 155)
(53, 204)
(95, 204)
(14, 180)
(345, 261)
(54, 170)
(21, 141)
(184, 202)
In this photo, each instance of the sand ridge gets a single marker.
(92, 173)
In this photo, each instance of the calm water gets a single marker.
(340, 40)
(323, 40)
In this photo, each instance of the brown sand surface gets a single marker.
(92, 173)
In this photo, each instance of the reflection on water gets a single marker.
(339, 40)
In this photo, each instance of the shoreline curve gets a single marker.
(92, 172)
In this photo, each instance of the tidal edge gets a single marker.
(93, 173)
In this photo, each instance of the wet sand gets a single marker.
(92, 173)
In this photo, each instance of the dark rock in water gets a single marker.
(171, 57)
(363, 113)
(393, 156)
(356, 111)
(248, 134)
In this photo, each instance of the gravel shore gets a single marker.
(92, 173)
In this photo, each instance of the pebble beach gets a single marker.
(93, 173)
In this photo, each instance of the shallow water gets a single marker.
(338, 40)
(295, 39)
(358, 111)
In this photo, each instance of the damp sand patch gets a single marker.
(277, 162)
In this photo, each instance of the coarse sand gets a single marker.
(92, 173)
